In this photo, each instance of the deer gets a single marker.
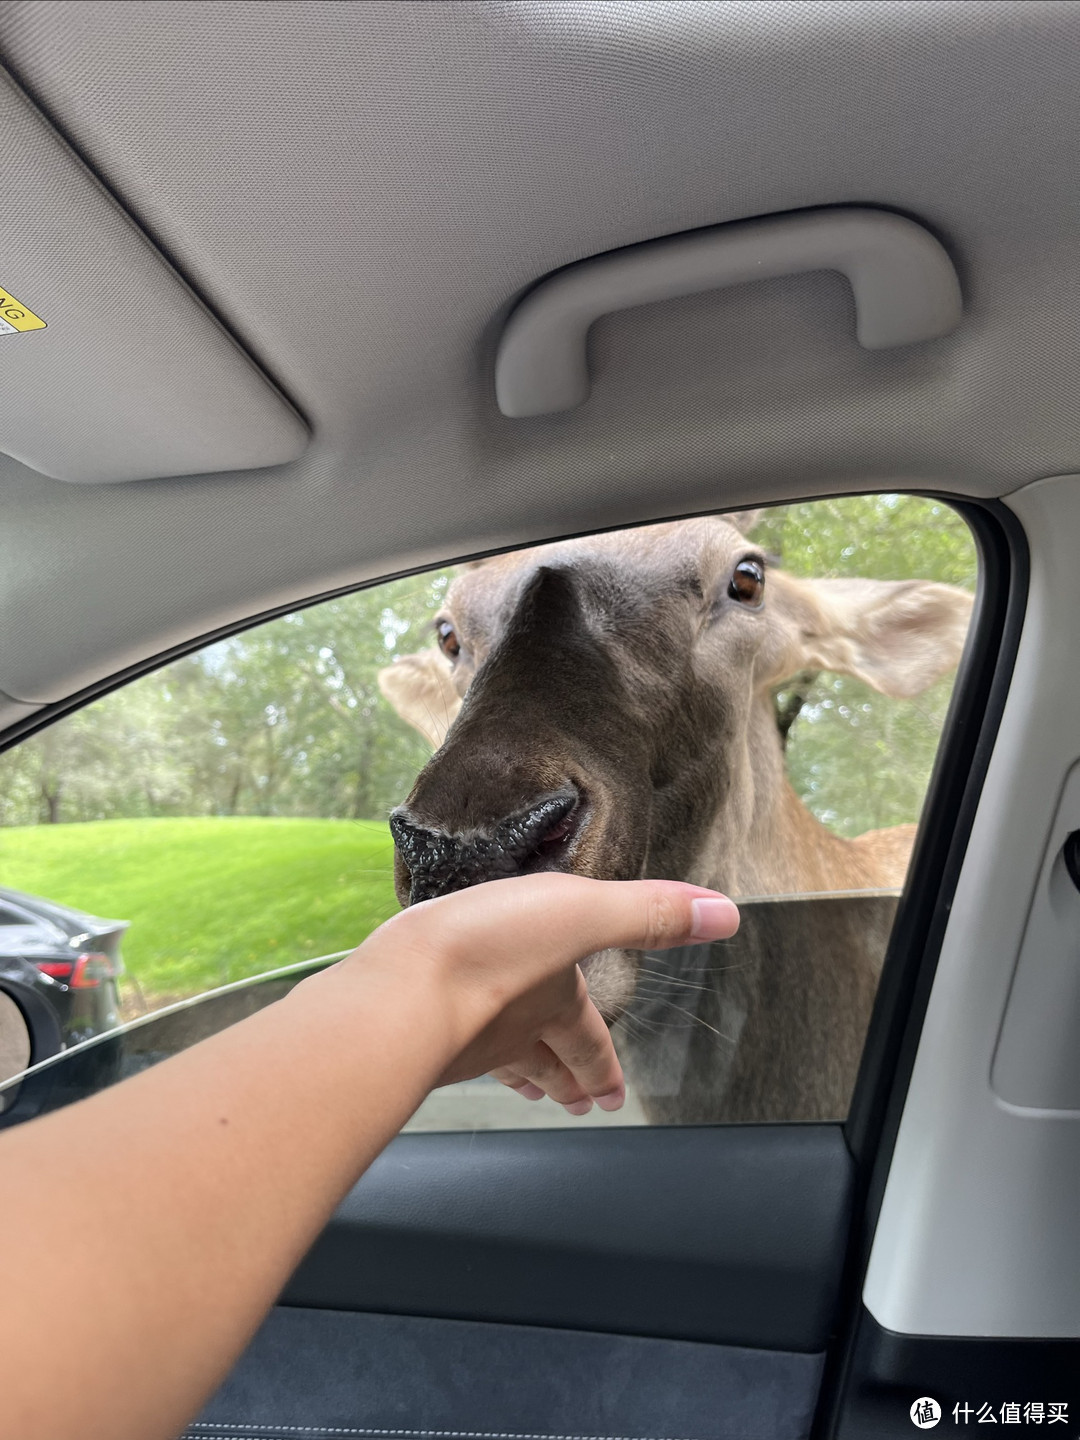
(605, 706)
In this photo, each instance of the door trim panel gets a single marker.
(732, 1234)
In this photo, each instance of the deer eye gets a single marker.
(748, 583)
(449, 644)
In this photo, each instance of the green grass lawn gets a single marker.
(212, 900)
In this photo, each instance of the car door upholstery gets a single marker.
(675, 1282)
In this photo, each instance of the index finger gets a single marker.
(582, 1041)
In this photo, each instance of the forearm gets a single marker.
(203, 1181)
(200, 1184)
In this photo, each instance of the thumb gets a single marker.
(560, 918)
(653, 914)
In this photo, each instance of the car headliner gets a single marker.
(360, 192)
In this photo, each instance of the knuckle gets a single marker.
(663, 919)
(581, 1050)
(543, 1066)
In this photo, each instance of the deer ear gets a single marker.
(421, 690)
(897, 635)
(743, 520)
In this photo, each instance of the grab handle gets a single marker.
(904, 284)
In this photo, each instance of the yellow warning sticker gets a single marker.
(15, 317)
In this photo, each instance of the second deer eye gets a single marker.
(448, 640)
(748, 583)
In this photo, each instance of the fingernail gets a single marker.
(713, 919)
(529, 1091)
(578, 1107)
(613, 1100)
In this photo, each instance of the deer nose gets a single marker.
(439, 861)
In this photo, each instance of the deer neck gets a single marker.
(763, 840)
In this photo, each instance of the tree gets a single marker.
(858, 759)
(287, 718)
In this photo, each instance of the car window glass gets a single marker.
(752, 702)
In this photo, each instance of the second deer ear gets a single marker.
(897, 635)
(743, 520)
(421, 690)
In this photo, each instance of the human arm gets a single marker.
(209, 1176)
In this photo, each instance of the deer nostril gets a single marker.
(439, 861)
(541, 830)
(562, 831)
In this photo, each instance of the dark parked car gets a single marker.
(70, 958)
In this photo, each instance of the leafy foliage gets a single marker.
(287, 720)
(858, 759)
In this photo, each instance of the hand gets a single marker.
(308, 1090)
(501, 961)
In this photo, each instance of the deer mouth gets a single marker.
(433, 861)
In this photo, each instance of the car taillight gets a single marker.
(85, 972)
(58, 969)
(90, 970)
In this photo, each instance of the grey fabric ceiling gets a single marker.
(361, 191)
